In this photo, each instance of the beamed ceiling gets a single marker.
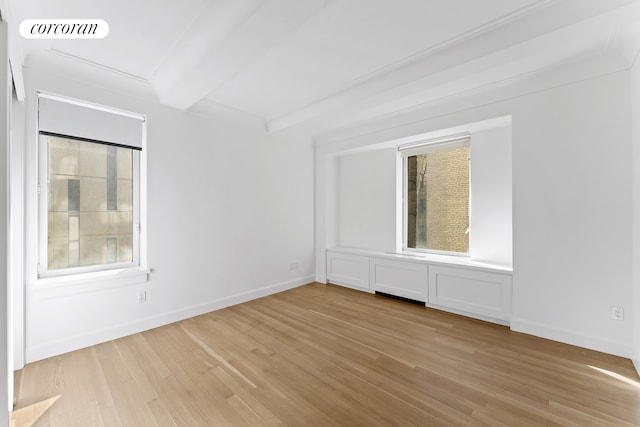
(323, 63)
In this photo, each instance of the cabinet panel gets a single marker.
(487, 294)
(348, 270)
(403, 279)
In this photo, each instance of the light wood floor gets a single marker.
(323, 355)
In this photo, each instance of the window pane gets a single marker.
(90, 190)
(438, 200)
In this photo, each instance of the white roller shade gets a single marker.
(423, 147)
(92, 122)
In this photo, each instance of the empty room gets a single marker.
(320, 212)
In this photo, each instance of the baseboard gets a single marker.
(321, 279)
(572, 338)
(77, 342)
(468, 314)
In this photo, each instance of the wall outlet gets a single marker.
(293, 266)
(617, 313)
(142, 297)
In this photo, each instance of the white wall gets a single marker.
(571, 160)
(635, 123)
(490, 237)
(572, 213)
(230, 208)
(6, 377)
(367, 198)
(16, 232)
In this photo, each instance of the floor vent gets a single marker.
(412, 301)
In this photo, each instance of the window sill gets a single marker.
(60, 286)
(428, 258)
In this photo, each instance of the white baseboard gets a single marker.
(357, 288)
(467, 314)
(321, 279)
(572, 338)
(77, 342)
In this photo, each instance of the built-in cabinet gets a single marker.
(480, 292)
(348, 270)
(403, 279)
(458, 285)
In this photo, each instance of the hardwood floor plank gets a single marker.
(329, 356)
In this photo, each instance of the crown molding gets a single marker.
(472, 103)
(208, 108)
(498, 35)
(98, 65)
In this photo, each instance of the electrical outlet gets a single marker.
(142, 297)
(617, 313)
(293, 266)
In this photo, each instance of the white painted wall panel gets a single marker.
(635, 124)
(348, 270)
(367, 194)
(403, 279)
(476, 292)
(6, 347)
(491, 237)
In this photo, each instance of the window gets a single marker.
(437, 195)
(89, 187)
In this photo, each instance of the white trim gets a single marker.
(139, 226)
(404, 199)
(42, 195)
(92, 105)
(354, 287)
(469, 314)
(565, 336)
(428, 258)
(18, 79)
(15, 54)
(99, 66)
(17, 197)
(435, 144)
(54, 348)
(62, 286)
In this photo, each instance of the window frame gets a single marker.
(137, 264)
(423, 147)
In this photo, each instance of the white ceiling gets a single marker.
(291, 62)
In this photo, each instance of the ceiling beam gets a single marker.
(259, 27)
(468, 58)
(15, 50)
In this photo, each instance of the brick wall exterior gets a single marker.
(438, 202)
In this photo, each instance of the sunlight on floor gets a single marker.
(27, 416)
(617, 376)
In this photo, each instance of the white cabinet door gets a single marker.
(348, 270)
(403, 279)
(476, 292)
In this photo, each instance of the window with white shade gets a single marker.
(89, 187)
(437, 195)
